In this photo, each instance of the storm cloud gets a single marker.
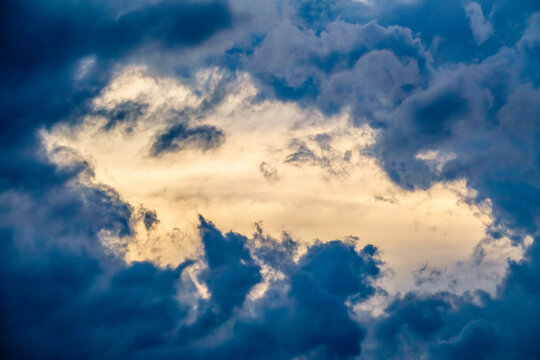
(456, 79)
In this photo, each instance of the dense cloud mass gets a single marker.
(454, 79)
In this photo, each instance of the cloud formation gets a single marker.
(63, 298)
(431, 77)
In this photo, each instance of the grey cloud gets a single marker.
(126, 113)
(317, 150)
(181, 136)
(482, 29)
(269, 171)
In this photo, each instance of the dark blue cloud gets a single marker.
(486, 114)
(43, 42)
(471, 326)
(305, 314)
(56, 275)
(478, 101)
(477, 340)
(64, 296)
(150, 219)
(124, 113)
(230, 266)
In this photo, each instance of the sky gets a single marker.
(280, 179)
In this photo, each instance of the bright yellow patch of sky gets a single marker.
(345, 193)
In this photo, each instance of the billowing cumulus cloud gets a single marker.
(135, 135)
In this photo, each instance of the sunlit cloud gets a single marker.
(286, 168)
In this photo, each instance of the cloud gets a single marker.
(411, 70)
(330, 69)
(73, 31)
(268, 171)
(477, 340)
(126, 112)
(180, 136)
(280, 331)
(481, 28)
(461, 110)
(99, 306)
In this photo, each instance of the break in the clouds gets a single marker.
(376, 163)
(292, 169)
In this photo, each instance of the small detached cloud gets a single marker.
(269, 171)
(182, 136)
(126, 113)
